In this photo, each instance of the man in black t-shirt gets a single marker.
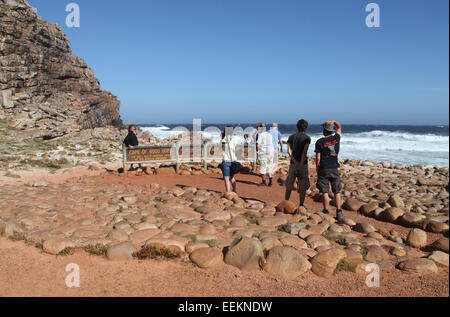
(298, 145)
(327, 151)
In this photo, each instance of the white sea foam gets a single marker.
(382, 146)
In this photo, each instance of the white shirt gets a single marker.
(265, 143)
(230, 146)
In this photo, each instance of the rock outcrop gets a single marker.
(45, 90)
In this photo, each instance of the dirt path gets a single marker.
(25, 271)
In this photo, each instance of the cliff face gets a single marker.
(45, 90)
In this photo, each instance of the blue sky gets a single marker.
(230, 61)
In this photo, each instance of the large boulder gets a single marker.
(440, 245)
(245, 254)
(369, 208)
(417, 238)
(207, 257)
(286, 262)
(396, 201)
(287, 207)
(165, 171)
(324, 264)
(418, 266)
(376, 254)
(121, 252)
(412, 219)
(436, 226)
(439, 258)
(56, 246)
(352, 204)
(364, 227)
(392, 214)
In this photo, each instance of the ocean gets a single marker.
(405, 145)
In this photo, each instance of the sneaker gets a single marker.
(339, 216)
(326, 212)
(132, 169)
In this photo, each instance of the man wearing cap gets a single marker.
(327, 151)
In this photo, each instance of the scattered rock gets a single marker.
(439, 258)
(287, 207)
(417, 238)
(56, 246)
(207, 257)
(324, 264)
(396, 201)
(245, 254)
(418, 266)
(392, 214)
(352, 204)
(286, 262)
(121, 252)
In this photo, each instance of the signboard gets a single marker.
(149, 154)
(184, 154)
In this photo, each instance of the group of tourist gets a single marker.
(268, 146)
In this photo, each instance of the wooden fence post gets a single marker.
(124, 147)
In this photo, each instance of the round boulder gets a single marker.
(286, 262)
(417, 238)
(207, 257)
(418, 266)
(245, 254)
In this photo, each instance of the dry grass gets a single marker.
(157, 253)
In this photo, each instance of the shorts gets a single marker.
(226, 170)
(327, 177)
(266, 162)
(303, 183)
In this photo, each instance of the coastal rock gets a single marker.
(396, 201)
(364, 227)
(207, 257)
(55, 246)
(376, 254)
(417, 238)
(324, 264)
(286, 262)
(392, 214)
(440, 245)
(39, 73)
(121, 252)
(245, 254)
(286, 207)
(369, 208)
(352, 204)
(418, 266)
(439, 258)
(436, 226)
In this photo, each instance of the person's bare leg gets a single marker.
(233, 183)
(227, 184)
(338, 201)
(326, 201)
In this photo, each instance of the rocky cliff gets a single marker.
(45, 90)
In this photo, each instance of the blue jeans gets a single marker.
(226, 170)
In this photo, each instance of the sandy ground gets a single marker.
(26, 271)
